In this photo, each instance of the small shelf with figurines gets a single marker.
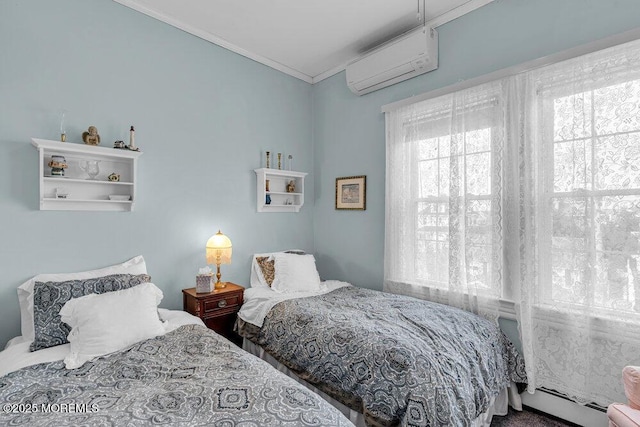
(279, 190)
(76, 176)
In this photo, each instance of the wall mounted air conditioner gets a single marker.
(402, 58)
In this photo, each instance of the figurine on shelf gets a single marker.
(291, 187)
(119, 144)
(90, 136)
(57, 164)
(114, 177)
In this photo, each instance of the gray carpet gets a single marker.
(528, 418)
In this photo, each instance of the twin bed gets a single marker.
(379, 359)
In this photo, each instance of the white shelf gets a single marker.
(83, 193)
(63, 181)
(278, 180)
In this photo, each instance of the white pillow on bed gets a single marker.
(257, 279)
(133, 266)
(295, 273)
(104, 323)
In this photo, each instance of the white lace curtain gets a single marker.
(528, 189)
(443, 200)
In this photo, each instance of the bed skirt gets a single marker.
(500, 405)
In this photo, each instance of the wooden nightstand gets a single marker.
(217, 309)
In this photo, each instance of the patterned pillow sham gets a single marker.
(49, 297)
(267, 266)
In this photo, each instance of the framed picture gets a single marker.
(351, 192)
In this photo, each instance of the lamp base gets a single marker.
(220, 285)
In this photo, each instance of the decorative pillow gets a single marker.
(135, 265)
(295, 273)
(49, 297)
(267, 267)
(631, 381)
(102, 324)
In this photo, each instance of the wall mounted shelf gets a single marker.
(81, 192)
(281, 199)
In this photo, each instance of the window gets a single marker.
(445, 195)
(592, 191)
(529, 188)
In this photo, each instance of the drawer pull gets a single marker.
(222, 303)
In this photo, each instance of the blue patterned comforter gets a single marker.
(191, 376)
(396, 359)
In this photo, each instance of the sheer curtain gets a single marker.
(528, 189)
(578, 294)
(444, 232)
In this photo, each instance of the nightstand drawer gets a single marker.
(224, 303)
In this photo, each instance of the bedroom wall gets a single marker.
(203, 115)
(349, 132)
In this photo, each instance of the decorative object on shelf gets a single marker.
(90, 136)
(290, 162)
(218, 252)
(57, 164)
(132, 138)
(267, 200)
(351, 192)
(61, 193)
(119, 144)
(279, 161)
(204, 280)
(91, 167)
(114, 177)
(288, 202)
(291, 186)
(63, 126)
(268, 159)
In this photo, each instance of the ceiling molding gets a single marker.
(132, 4)
(456, 13)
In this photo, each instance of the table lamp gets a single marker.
(219, 252)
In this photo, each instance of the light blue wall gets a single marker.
(349, 131)
(203, 116)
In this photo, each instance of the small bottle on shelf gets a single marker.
(132, 138)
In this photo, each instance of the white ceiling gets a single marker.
(310, 40)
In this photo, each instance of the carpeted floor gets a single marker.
(528, 418)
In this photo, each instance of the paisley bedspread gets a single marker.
(396, 359)
(190, 376)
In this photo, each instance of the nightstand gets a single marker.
(217, 309)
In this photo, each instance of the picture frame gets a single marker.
(351, 193)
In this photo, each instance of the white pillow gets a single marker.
(295, 273)
(134, 266)
(257, 279)
(104, 323)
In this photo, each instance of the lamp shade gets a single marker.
(219, 249)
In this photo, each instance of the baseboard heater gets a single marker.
(564, 396)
